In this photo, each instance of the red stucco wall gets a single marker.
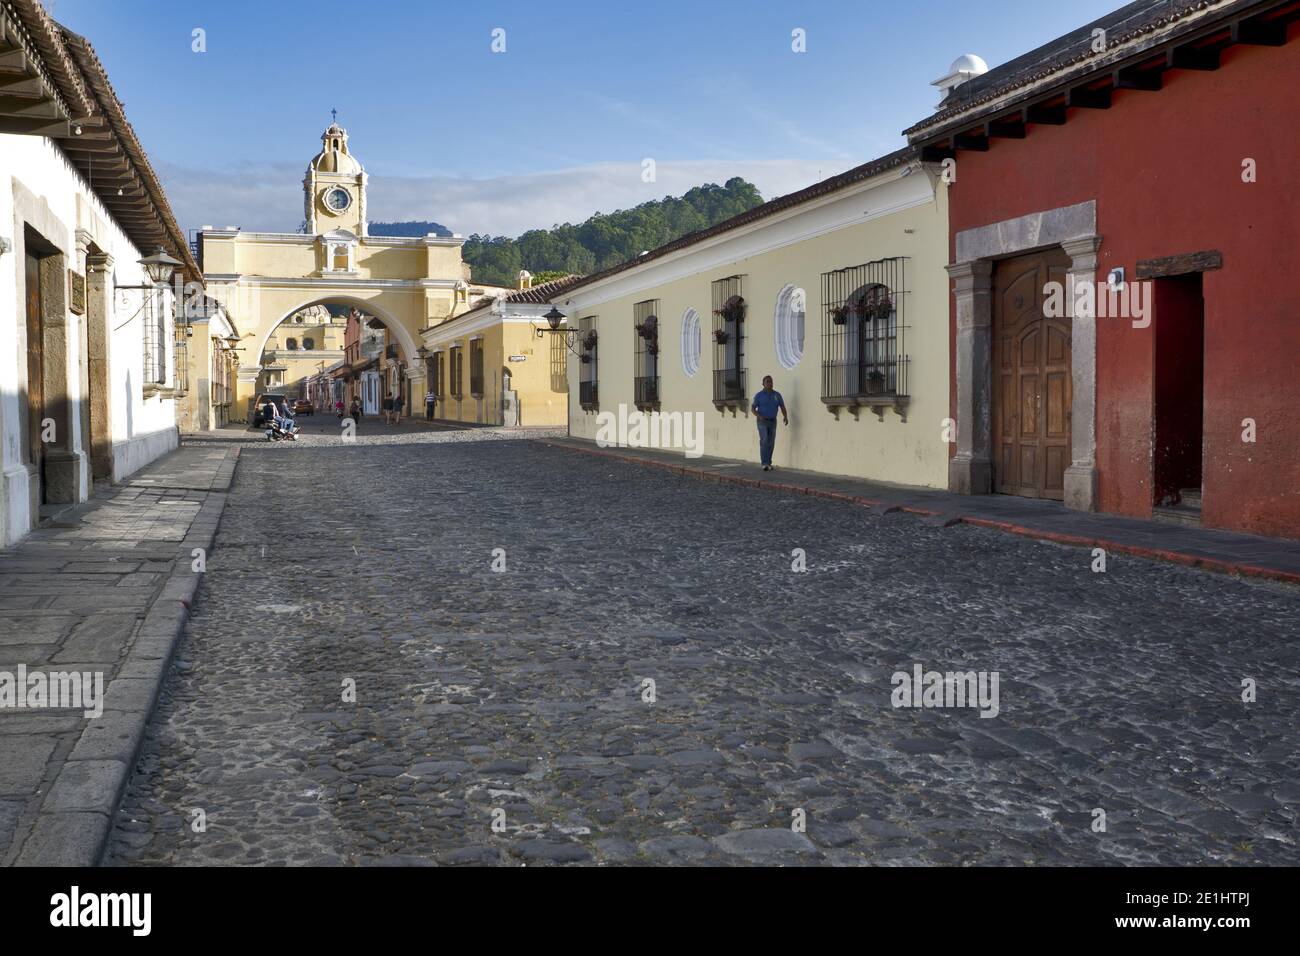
(1165, 169)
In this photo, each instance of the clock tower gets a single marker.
(335, 187)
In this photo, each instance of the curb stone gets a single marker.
(76, 817)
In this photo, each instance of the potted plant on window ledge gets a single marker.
(721, 336)
(733, 311)
(589, 341)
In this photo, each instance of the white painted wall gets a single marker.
(142, 429)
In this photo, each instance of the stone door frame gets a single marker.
(1074, 229)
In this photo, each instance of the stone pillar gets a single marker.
(245, 391)
(970, 471)
(99, 310)
(1081, 476)
(66, 472)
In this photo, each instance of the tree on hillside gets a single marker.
(602, 241)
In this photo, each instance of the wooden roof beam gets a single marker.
(1045, 115)
(975, 142)
(1083, 98)
(937, 154)
(28, 107)
(1008, 127)
(34, 126)
(1139, 78)
(1256, 31)
(1192, 58)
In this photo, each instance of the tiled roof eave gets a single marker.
(96, 80)
(1204, 15)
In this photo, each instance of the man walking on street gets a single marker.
(430, 400)
(765, 407)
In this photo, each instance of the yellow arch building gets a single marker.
(265, 278)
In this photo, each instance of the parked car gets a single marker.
(260, 402)
(303, 407)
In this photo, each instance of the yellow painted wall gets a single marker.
(909, 452)
(539, 380)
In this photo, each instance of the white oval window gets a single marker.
(788, 325)
(690, 342)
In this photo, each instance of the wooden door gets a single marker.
(1032, 388)
(35, 358)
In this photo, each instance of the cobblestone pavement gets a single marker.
(519, 697)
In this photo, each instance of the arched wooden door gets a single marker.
(1032, 386)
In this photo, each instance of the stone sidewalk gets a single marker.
(105, 589)
(1226, 552)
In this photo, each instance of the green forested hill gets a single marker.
(602, 241)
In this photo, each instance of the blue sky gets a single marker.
(554, 128)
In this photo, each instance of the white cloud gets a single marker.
(269, 197)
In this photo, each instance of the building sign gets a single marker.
(76, 292)
(519, 358)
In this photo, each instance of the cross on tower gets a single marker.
(335, 115)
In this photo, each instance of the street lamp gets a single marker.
(553, 327)
(159, 267)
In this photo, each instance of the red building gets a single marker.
(1160, 141)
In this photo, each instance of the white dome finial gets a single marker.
(963, 68)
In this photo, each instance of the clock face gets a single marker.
(338, 199)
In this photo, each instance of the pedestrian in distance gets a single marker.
(388, 409)
(397, 409)
(355, 410)
(765, 406)
(430, 400)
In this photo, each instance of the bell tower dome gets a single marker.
(335, 187)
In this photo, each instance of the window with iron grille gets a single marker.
(588, 358)
(728, 342)
(456, 356)
(182, 360)
(216, 374)
(645, 319)
(155, 338)
(476, 368)
(864, 356)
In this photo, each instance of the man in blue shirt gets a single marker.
(766, 404)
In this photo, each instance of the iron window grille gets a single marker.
(864, 354)
(729, 310)
(589, 362)
(456, 362)
(645, 317)
(476, 368)
(182, 360)
(155, 338)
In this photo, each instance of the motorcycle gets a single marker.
(281, 430)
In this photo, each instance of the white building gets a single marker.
(88, 357)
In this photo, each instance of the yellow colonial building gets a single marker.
(207, 351)
(267, 279)
(837, 291)
(489, 366)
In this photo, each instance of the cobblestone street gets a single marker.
(519, 697)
